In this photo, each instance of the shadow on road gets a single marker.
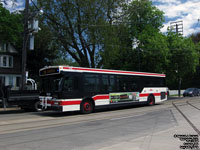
(49, 113)
(97, 110)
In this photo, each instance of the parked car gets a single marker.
(191, 92)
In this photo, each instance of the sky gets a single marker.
(176, 10)
(187, 11)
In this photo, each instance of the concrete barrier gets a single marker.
(175, 92)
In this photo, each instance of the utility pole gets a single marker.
(177, 27)
(30, 28)
(25, 41)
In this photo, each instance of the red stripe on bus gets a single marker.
(144, 95)
(66, 67)
(99, 97)
(157, 94)
(69, 103)
(147, 94)
(49, 102)
(113, 71)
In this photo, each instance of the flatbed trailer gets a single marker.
(26, 99)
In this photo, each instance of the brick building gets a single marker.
(10, 65)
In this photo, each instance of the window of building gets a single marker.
(2, 78)
(10, 61)
(11, 80)
(17, 81)
(3, 47)
(6, 61)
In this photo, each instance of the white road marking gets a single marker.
(127, 117)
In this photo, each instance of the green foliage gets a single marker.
(11, 27)
(141, 14)
(183, 58)
(65, 61)
(196, 38)
(116, 48)
(45, 51)
(139, 45)
(153, 52)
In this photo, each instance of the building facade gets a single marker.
(10, 66)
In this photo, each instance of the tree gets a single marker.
(11, 27)
(45, 52)
(142, 15)
(196, 37)
(65, 61)
(183, 59)
(139, 43)
(154, 51)
(77, 26)
(117, 48)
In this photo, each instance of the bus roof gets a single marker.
(57, 69)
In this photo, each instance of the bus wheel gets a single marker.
(87, 107)
(151, 100)
(37, 107)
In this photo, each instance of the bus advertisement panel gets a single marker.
(124, 97)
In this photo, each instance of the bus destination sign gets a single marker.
(49, 71)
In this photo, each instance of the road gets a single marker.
(121, 128)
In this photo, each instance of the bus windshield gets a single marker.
(51, 83)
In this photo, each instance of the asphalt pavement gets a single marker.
(173, 125)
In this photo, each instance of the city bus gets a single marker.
(67, 88)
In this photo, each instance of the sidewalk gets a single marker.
(9, 109)
(164, 140)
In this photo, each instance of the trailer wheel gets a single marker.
(87, 107)
(37, 106)
(151, 100)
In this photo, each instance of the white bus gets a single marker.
(66, 88)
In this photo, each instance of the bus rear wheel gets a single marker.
(87, 107)
(151, 100)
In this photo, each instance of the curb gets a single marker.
(9, 109)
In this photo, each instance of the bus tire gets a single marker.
(87, 106)
(37, 107)
(151, 100)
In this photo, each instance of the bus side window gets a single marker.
(134, 83)
(121, 84)
(112, 84)
(105, 83)
(68, 84)
(91, 82)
